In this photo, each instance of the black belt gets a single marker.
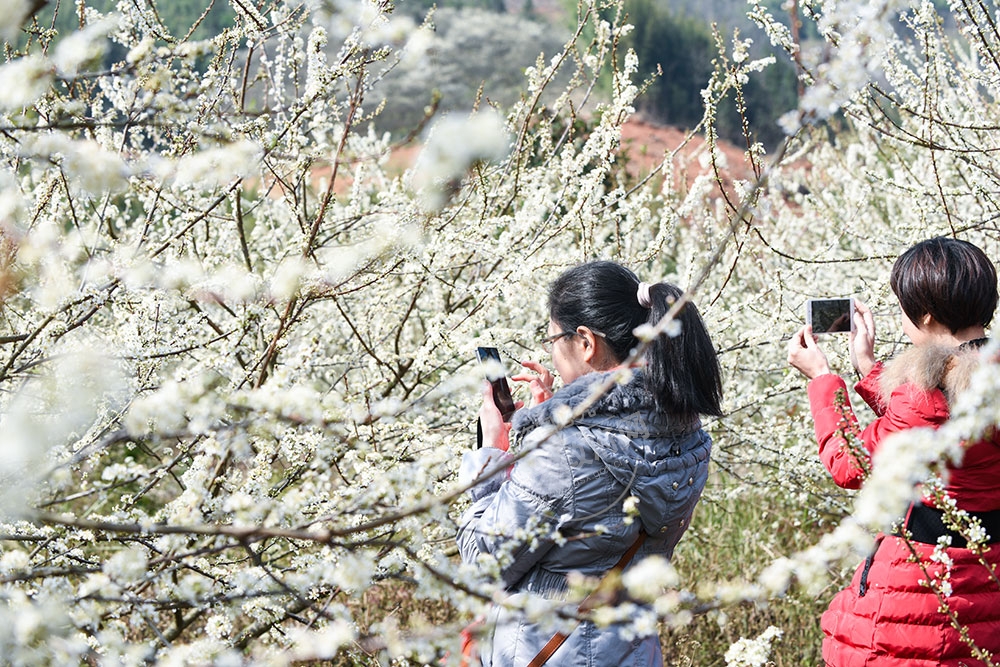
(926, 524)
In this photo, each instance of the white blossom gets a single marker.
(87, 164)
(12, 14)
(323, 644)
(213, 167)
(238, 332)
(141, 51)
(24, 80)
(127, 565)
(650, 577)
(82, 47)
(753, 652)
(12, 561)
(453, 146)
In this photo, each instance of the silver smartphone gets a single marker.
(830, 315)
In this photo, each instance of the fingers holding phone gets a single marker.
(489, 357)
(805, 355)
(498, 404)
(863, 339)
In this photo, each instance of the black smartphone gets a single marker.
(501, 390)
(830, 315)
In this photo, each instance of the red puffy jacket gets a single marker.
(887, 617)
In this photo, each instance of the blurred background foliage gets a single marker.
(482, 48)
(177, 16)
(681, 44)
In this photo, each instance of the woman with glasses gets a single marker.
(595, 483)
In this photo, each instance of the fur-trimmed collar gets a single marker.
(625, 407)
(947, 368)
(621, 399)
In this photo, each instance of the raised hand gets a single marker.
(539, 382)
(863, 339)
(496, 432)
(805, 355)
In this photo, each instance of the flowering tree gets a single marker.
(236, 341)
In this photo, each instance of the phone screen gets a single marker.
(830, 315)
(501, 390)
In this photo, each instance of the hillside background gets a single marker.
(481, 48)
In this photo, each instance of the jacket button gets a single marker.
(690, 481)
(674, 485)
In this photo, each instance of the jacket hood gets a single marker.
(661, 459)
(949, 369)
(627, 403)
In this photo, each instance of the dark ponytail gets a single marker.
(682, 372)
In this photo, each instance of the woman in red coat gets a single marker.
(890, 615)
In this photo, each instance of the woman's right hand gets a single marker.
(805, 355)
(863, 339)
(539, 382)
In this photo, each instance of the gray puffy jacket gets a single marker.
(575, 482)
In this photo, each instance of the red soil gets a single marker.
(644, 146)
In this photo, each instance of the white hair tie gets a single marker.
(642, 294)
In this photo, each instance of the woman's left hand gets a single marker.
(496, 432)
(863, 339)
(805, 355)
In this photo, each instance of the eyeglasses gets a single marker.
(549, 340)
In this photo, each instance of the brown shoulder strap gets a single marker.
(558, 638)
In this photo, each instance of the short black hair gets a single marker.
(681, 372)
(951, 280)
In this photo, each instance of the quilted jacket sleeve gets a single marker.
(908, 406)
(514, 521)
(869, 392)
(834, 420)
